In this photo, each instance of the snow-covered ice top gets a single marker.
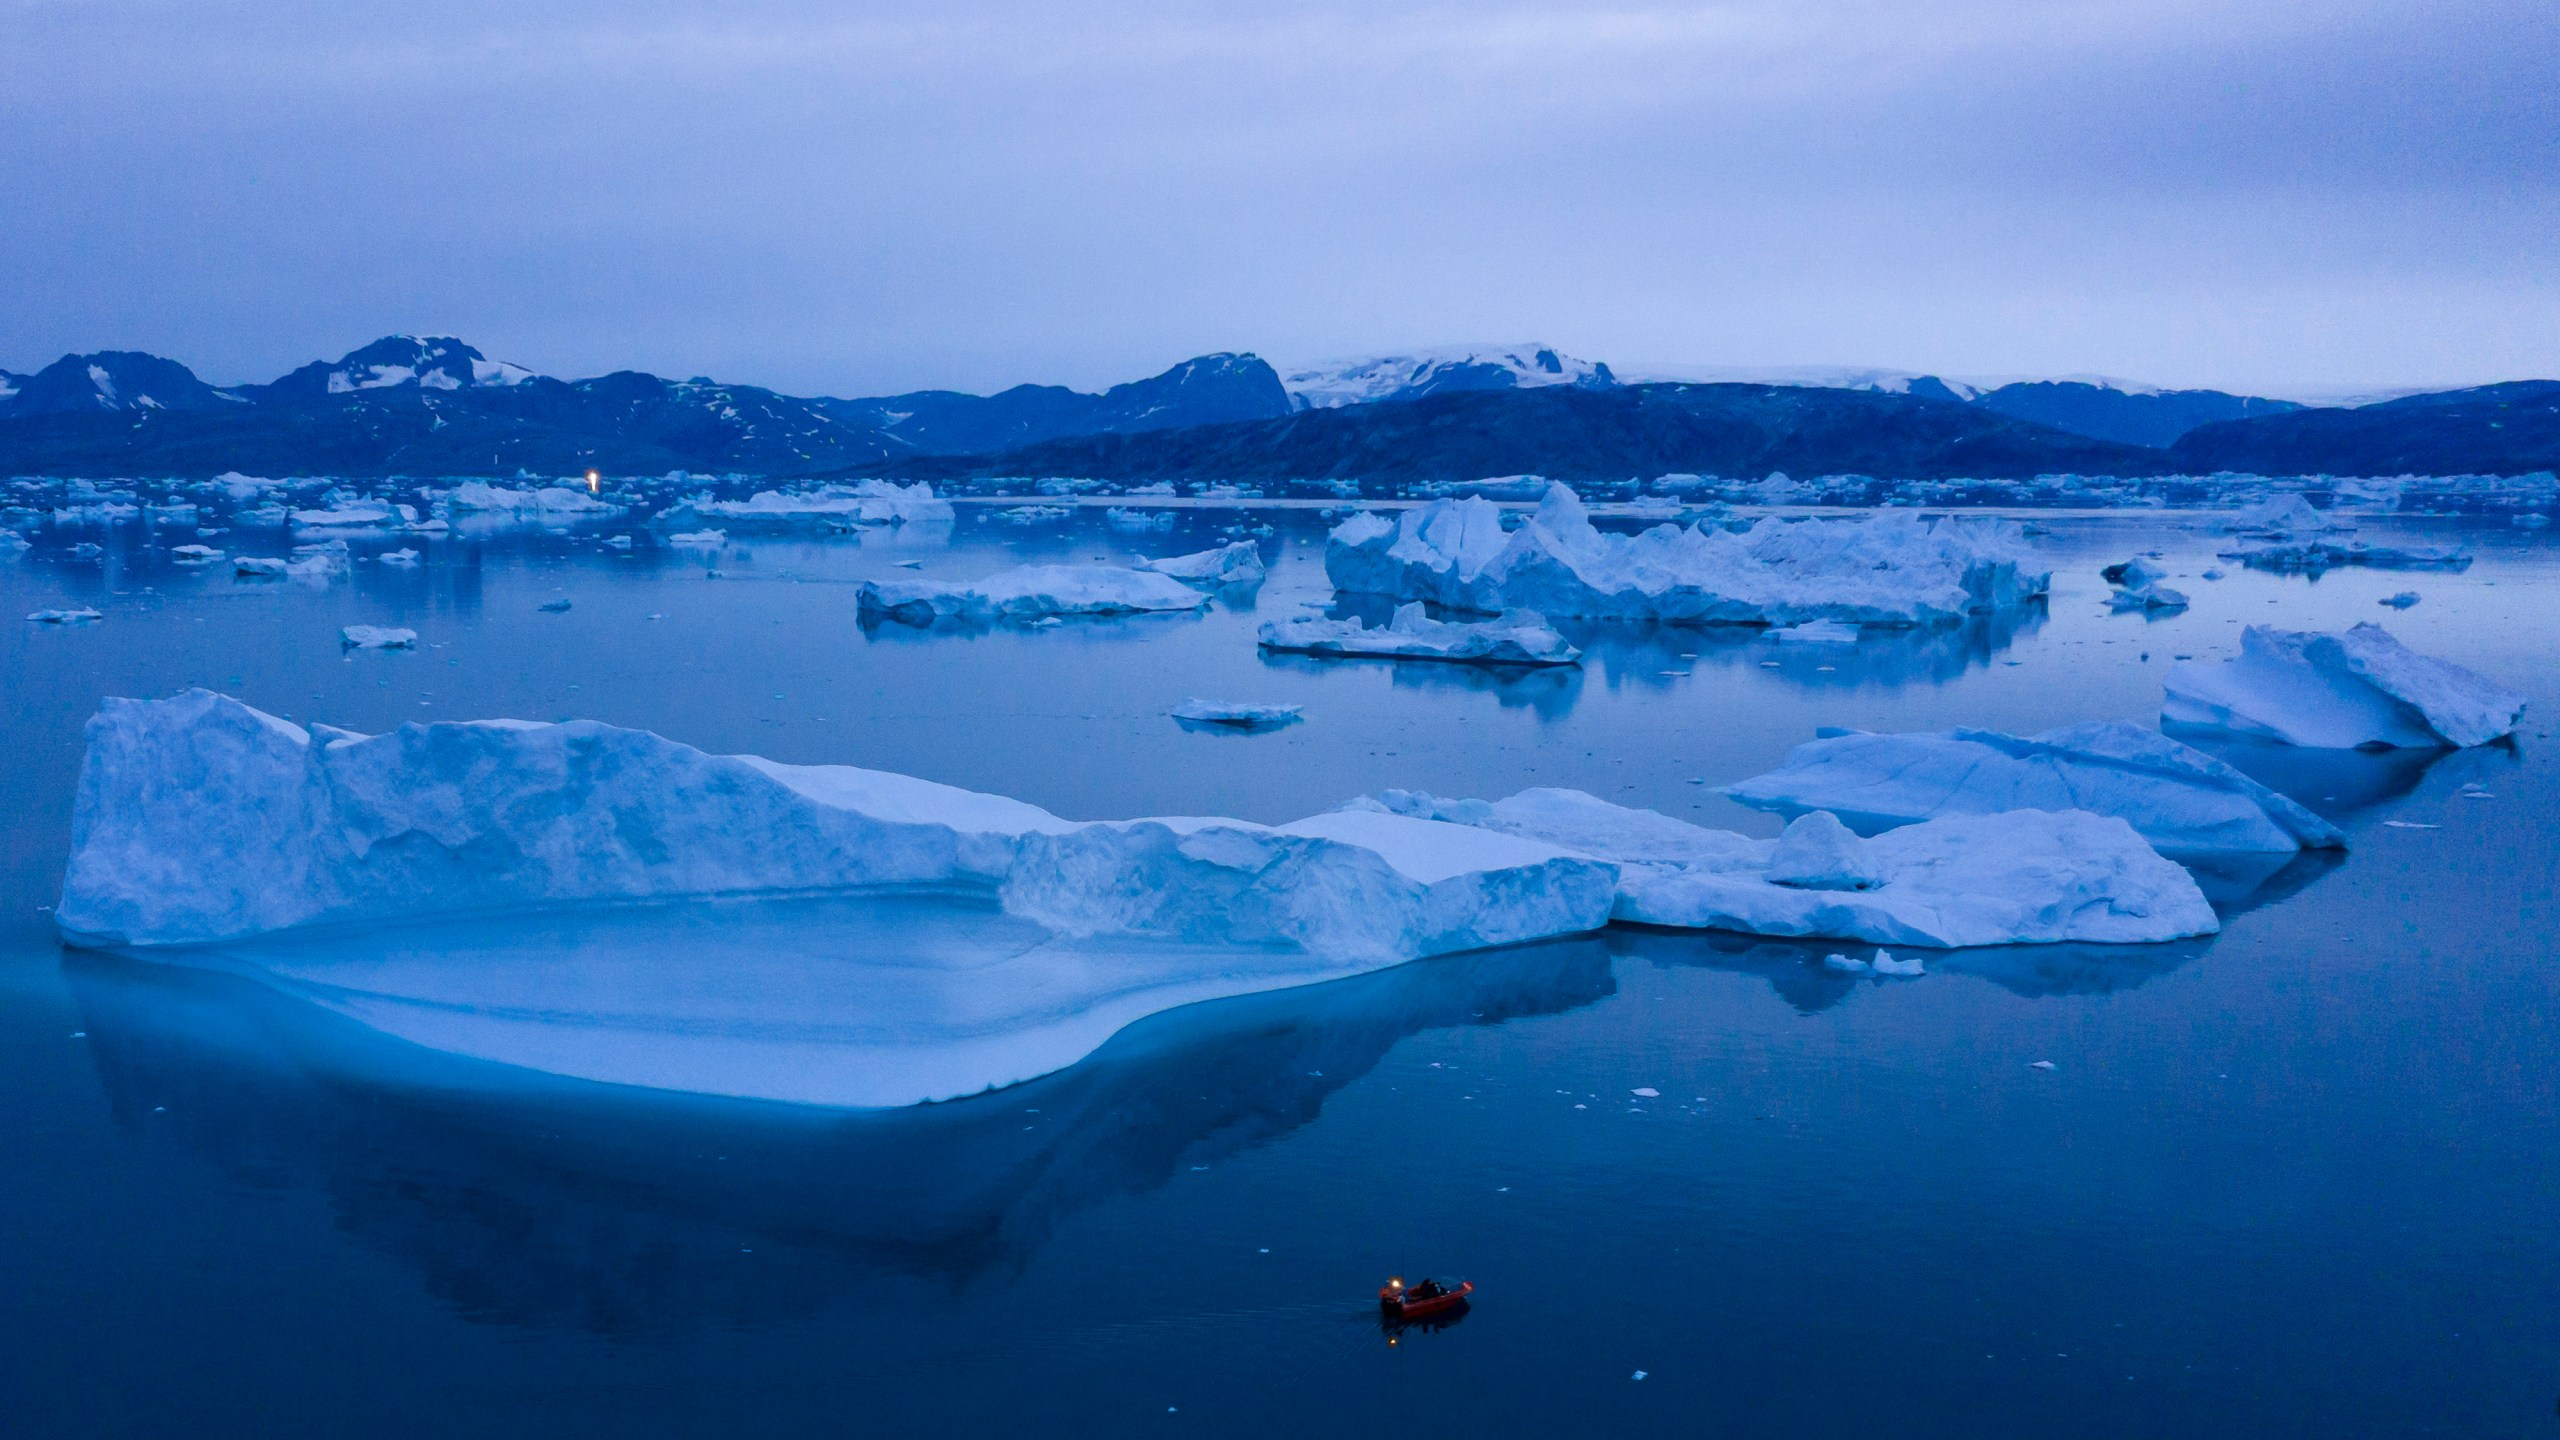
(2021, 877)
(1236, 564)
(1411, 376)
(1891, 568)
(2179, 798)
(1029, 592)
(1516, 639)
(2339, 691)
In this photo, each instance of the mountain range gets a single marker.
(436, 406)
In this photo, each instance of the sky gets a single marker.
(2281, 196)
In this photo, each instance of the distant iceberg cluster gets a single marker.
(1888, 569)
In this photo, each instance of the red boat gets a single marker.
(1423, 1299)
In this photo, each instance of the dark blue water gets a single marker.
(2295, 1180)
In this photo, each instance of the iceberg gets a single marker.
(1813, 632)
(2180, 799)
(1225, 715)
(479, 495)
(400, 557)
(701, 539)
(872, 502)
(79, 616)
(1029, 592)
(377, 637)
(358, 515)
(2317, 555)
(257, 566)
(1517, 639)
(2287, 514)
(1891, 568)
(2342, 691)
(2020, 877)
(1236, 564)
(195, 554)
(200, 819)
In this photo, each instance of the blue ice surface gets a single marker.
(1852, 1208)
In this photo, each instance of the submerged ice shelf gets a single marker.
(210, 832)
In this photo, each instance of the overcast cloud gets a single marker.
(855, 199)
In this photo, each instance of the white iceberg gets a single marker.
(1138, 520)
(355, 515)
(195, 554)
(1237, 716)
(2023, 877)
(1236, 564)
(479, 495)
(1517, 639)
(872, 502)
(200, 818)
(77, 616)
(400, 557)
(377, 637)
(1891, 568)
(1029, 592)
(2287, 514)
(700, 539)
(2360, 688)
(2178, 798)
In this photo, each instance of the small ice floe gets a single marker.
(1138, 520)
(2339, 691)
(87, 550)
(2138, 587)
(1227, 716)
(2039, 1064)
(1846, 964)
(2401, 601)
(1520, 638)
(1236, 564)
(377, 637)
(700, 539)
(617, 542)
(354, 515)
(400, 557)
(1640, 1374)
(908, 564)
(554, 606)
(2179, 798)
(1885, 964)
(13, 543)
(1033, 514)
(2412, 825)
(257, 567)
(2313, 556)
(1029, 592)
(195, 554)
(1645, 1092)
(1813, 632)
(80, 616)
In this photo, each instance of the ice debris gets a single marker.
(2023, 877)
(2182, 800)
(1029, 592)
(1237, 716)
(79, 616)
(2401, 601)
(195, 554)
(1891, 568)
(2339, 691)
(400, 557)
(555, 607)
(1520, 638)
(201, 819)
(377, 637)
(1236, 564)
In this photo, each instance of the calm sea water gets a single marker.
(2299, 1179)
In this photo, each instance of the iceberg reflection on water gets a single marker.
(527, 1200)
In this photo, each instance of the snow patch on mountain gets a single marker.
(1414, 374)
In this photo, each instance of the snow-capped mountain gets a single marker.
(108, 381)
(1414, 374)
(431, 362)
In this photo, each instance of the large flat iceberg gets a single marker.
(1029, 592)
(872, 502)
(2342, 691)
(1891, 568)
(1236, 564)
(2020, 877)
(2179, 798)
(1519, 639)
(204, 823)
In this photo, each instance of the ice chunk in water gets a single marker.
(1029, 592)
(2339, 691)
(1516, 639)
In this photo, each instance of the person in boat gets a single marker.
(1428, 1289)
